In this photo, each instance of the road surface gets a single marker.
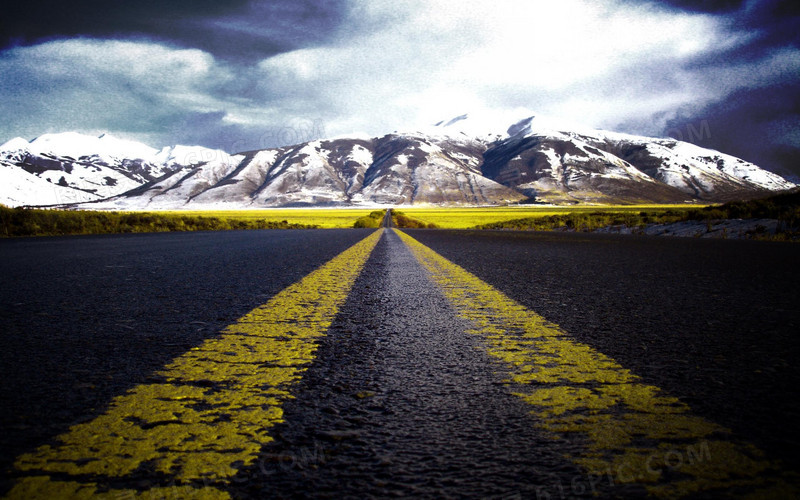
(362, 363)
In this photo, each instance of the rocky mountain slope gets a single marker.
(459, 162)
(56, 169)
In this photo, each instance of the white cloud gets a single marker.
(392, 65)
(135, 59)
(552, 45)
(132, 89)
(778, 65)
(597, 62)
(183, 76)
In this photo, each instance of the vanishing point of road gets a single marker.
(398, 363)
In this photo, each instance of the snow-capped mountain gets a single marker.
(701, 173)
(393, 170)
(56, 169)
(564, 163)
(463, 161)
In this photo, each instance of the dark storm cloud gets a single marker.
(242, 75)
(770, 23)
(237, 29)
(34, 20)
(211, 130)
(705, 5)
(761, 124)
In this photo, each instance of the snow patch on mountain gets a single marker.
(699, 172)
(74, 145)
(19, 188)
(478, 125)
(470, 159)
(14, 150)
(731, 166)
(70, 167)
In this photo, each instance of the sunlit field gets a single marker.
(16, 222)
(464, 218)
(327, 218)
(39, 222)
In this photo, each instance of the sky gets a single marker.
(242, 75)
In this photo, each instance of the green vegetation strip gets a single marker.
(590, 221)
(31, 222)
(471, 217)
(400, 219)
(784, 207)
(16, 222)
(325, 218)
(207, 414)
(372, 220)
(631, 432)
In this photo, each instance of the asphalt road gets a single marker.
(85, 318)
(399, 400)
(716, 323)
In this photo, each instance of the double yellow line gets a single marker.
(632, 432)
(210, 411)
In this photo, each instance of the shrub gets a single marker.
(402, 220)
(372, 220)
(35, 222)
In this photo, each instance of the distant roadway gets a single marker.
(416, 363)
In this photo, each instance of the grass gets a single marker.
(468, 218)
(32, 222)
(325, 218)
(402, 219)
(373, 219)
(590, 221)
(784, 207)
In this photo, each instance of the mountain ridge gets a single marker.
(461, 161)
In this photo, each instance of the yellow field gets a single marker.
(463, 218)
(323, 217)
(443, 217)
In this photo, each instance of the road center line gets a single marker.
(633, 432)
(208, 413)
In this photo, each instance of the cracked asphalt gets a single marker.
(400, 400)
(404, 403)
(713, 322)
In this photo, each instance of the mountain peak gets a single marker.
(521, 127)
(491, 125)
(454, 120)
(78, 145)
(471, 158)
(15, 144)
(495, 125)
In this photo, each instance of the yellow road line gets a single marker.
(209, 413)
(632, 432)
